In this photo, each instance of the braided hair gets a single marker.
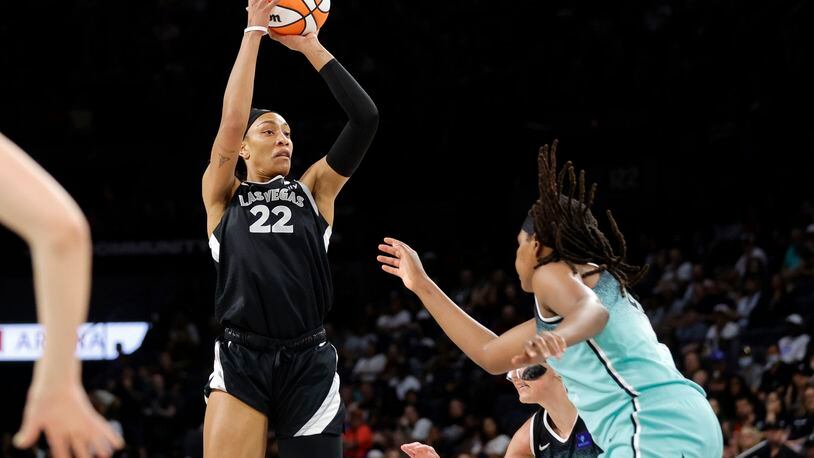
(565, 223)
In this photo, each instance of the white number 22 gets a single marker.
(280, 227)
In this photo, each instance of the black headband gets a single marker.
(528, 225)
(253, 115)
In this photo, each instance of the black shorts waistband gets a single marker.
(257, 342)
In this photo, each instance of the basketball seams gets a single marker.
(317, 16)
(287, 29)
(281, 24)
(286, 8)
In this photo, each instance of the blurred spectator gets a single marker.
(398, 317)
(491, 442)
(774, 445)
(751, 252)
(749, 300)
(358, 437)
(369, 366)
(676, 274)
(746, 438)
(414, 427)
(794, 344)
(745, 415)
(795, 394)
(403, 382)
(723, 331)
(792, 258)
(455, 425)
(802, 425)
(775, 409)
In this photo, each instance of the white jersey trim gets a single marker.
(606, 361)
(327, 237)
(637, 427)
(247, 182)
(216, 380)
(551, 430)
(531, 434)
(214, 246)
(310, 197)
(326, 412)
(549, 320)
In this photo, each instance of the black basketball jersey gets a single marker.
(547, 444)
(270, 251)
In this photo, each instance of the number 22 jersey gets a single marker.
(270, 251)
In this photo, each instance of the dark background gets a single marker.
(689, 114)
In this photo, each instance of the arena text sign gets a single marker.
(95, 341)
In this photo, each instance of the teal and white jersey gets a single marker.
(612, 377)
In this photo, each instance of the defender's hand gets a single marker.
(403, 262)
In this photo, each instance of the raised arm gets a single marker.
(491, 352)
(35, 206)
(327, 176)
(219, 182)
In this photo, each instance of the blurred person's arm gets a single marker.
(37, 208)
(219, 181)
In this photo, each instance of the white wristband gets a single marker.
(256, 28)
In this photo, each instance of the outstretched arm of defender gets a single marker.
(35, 206)
(328, 175)
(491, 352)
(219, 178)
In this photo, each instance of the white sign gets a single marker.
(96, 341)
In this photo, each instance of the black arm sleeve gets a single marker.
(363, 119)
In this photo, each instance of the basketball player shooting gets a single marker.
(269, 236)
(35, 206)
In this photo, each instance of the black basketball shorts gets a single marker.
(295, 386)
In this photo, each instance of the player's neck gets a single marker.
(561, 412)
(259, 177)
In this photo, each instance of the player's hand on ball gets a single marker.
(260, 12)
(300, 43)
(541, 347)
(401, 261)
(419, 450)
(62, 411)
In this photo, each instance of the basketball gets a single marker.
(299, 17)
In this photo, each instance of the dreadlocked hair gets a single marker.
(565, 223)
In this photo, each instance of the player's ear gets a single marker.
(244, 153)
(538, 247)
